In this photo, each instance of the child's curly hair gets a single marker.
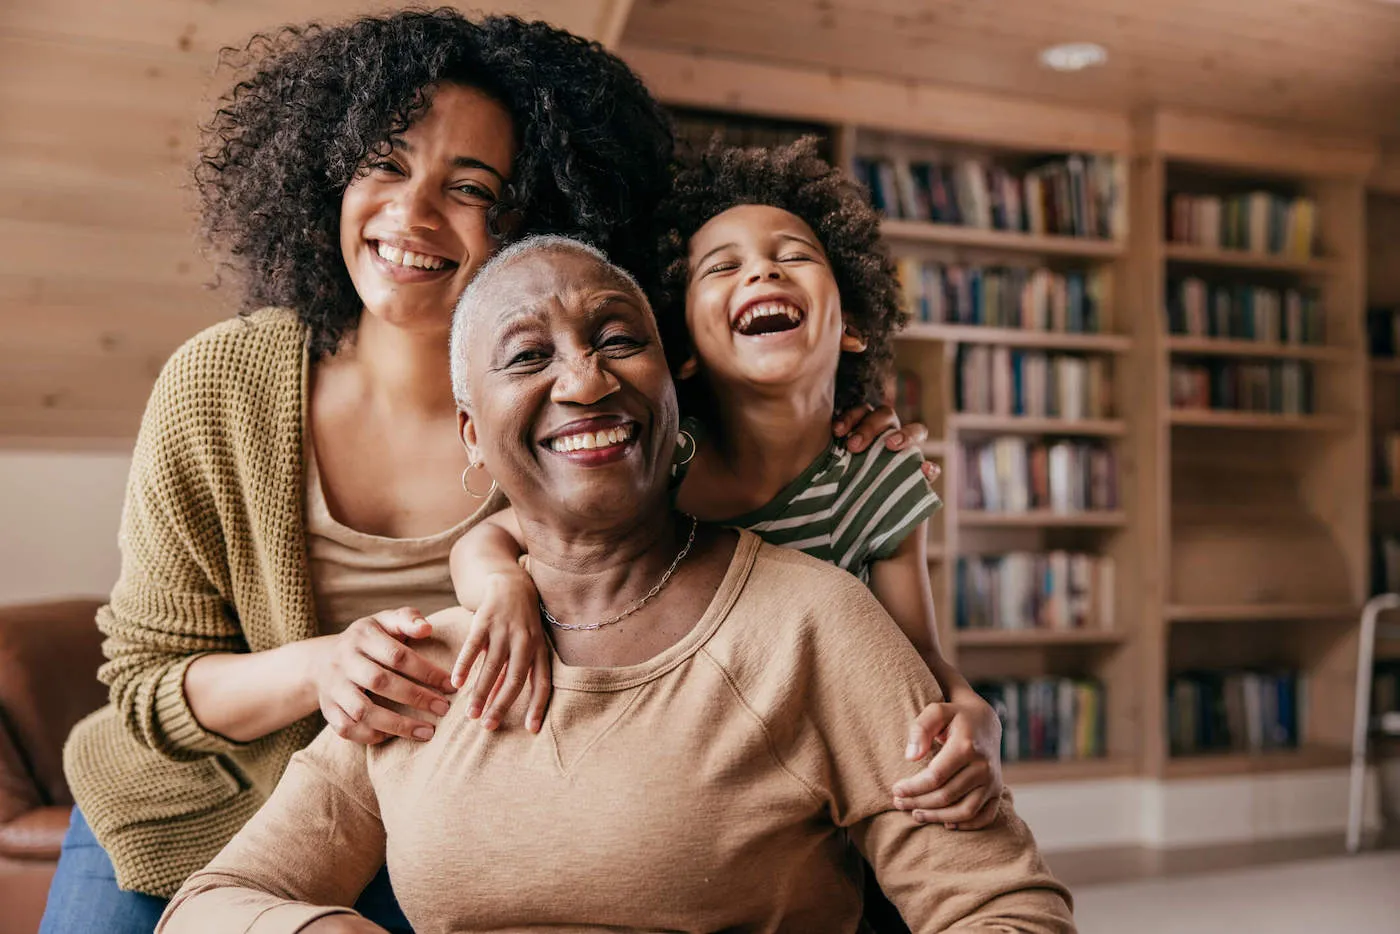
(795, 178)
(594, 146)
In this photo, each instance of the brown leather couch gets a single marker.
(49, 654)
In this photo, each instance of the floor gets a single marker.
(1345, 895)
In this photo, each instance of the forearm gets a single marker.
(246, 696)
(482, 553)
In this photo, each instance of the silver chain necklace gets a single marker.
(575, 627)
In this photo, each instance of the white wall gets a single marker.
(58, 523)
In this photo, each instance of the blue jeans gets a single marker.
(84, 896)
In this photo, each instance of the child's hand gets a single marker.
(863, 424)
(961, 786)
(508, 633)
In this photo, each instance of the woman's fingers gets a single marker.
(370, 676)
(931, 470)
(956, 800)
(875, 423)
(983, 818)
(913, 433)
(381, 645)
(516, 673)
(847, 420)
(541, 681)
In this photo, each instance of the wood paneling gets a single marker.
(1329, 62)
(100, 277)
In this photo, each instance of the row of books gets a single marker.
(1284, 388)
(1074, 195)
(1387, 466)
(1005, 297)
(1019, 475)
(1048, 718)
(1239, 711)
(1002, 381)
(1026, 590)
(1243, 312)
(1383, 331)
(1259, 221)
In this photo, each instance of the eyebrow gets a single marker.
(458, 162)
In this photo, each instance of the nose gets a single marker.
(585, 380)
(416, 205)
(763, 270)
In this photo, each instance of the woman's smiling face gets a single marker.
(413, 227)
(573, 410)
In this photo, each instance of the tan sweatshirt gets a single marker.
(716, 786)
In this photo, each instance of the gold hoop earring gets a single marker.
(686, 440)
(466, 484)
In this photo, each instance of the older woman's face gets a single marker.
(573, 409)
(413, 226)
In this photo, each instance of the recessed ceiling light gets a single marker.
(1073, 56)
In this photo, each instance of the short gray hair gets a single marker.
(480, 288)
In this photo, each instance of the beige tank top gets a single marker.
(354, 574)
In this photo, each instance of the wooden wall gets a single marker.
(99, 275)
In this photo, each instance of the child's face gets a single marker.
(762, 304)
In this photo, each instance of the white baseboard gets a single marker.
(1191, 812)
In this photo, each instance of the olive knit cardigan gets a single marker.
(214, 559)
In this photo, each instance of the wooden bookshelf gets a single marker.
(1307, 756)
(1256, 421)
(968, 423)
(1016, 337)
(1385, 365)
(1215, 346)
(1043, 519)
(1244, 260)
(1259, 612)
(954, 235)
(1020, 638)
(1052, 770)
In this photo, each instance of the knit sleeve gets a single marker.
(309, 852)
(872, 685)
(168, 606)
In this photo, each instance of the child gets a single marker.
(772, 259)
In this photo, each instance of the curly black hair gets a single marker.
(798, 180)
(315, 101)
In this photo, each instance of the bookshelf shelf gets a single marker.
(1242, 259)
(1308, 756)
(934, 447)
(1022, 773)
(1387, 365)
(1008, 240)
(1017, 337)
(1261, 421)
(1180, 344)
(1024, 425)
(1042, 518)
(1244, 612)
(1015, 638)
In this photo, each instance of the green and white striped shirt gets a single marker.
(850, 510)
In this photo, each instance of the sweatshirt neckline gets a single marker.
(582, 678)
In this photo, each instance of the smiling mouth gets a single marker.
(769, 318)
(593, 440)
(411, 260)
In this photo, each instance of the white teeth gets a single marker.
(590, 440)
(399, 257)
(767, 310)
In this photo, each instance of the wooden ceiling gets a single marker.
(1331, 63)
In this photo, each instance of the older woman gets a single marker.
(728, 716)
(297, 472)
